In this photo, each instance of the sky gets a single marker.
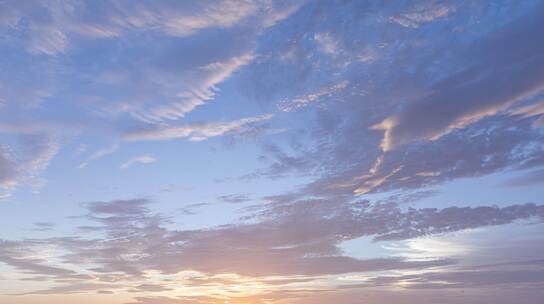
(271, 152)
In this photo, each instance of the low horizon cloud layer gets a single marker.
(271, 152)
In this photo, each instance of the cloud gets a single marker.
(118, 207)
(479, 278)
(50, 34)
(283, 239)
(19, 255)
(49, 41)
(421, 14)
(43, 226)
(198, 90)
(8, 171)
(150, 288)
(23, 162)
(303, 101)
(234, 198)
(283, 162)
(482, 90)
(327, 43)
(197, 46)
(527, 179)
(520, 274)
(71, 289)
(99, 154)
(258, 299)
(198, 131)
(533, 110)
(289, 239)
(483, 148)
(190, 209)
(452, 100)
(142, 159)
(419, 78)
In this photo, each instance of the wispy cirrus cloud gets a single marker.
(99, 154)
(234, 198)
(423, 13)
(24, 162)
(303, 101)
(142, 159)
(51, 35)
(198, 131)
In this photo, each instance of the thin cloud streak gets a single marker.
(142, 159)
(198, 131)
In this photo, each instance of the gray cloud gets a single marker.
(15, 255)
(290, 238)
(43, 226)
(530, 178)
(234, 198)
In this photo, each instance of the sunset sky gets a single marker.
(271, 152)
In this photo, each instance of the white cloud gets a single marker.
(49, 35)
(223, 14)
(99, 154)
(422, 15)
(142, 159)
(305, 100)
(157, 90)
(199, 88)
(198, 132)
(327, 43)
(49, 41)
